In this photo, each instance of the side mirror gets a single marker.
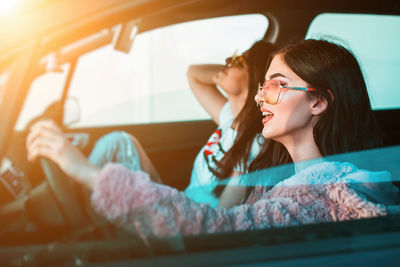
(72, 111)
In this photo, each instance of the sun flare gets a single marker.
(7, 7)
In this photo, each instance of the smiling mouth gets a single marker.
(267, 116)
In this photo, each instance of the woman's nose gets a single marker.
(228, 61)
(259, 98)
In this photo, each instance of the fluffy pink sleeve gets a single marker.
(131, 200)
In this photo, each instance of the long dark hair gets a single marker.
(348, 123)
(247, 122)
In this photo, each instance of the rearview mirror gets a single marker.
(126, 36)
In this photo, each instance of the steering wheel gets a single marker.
(66, 194)
(74, 204)
(71, 200)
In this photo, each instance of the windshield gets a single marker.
(382, 168)
(349, 189)
(298, 203)
(364, 177)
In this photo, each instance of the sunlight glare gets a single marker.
(7, 7)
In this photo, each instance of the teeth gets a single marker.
(267, 114)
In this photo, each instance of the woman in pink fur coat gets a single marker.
(314, 104)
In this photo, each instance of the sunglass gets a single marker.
(236, 61)
(271, 90)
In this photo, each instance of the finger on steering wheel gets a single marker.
(50, 125)
(44, 140)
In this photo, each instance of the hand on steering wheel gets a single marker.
(47, 140)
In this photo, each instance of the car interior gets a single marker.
(75, 233)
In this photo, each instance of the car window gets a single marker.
(44, 91)
(149, 84)
(375, 41)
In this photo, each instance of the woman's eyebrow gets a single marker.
(277, 75)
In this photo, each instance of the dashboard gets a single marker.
(13, 182)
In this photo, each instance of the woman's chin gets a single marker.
(268, 133)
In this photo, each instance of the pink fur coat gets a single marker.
(320, 193)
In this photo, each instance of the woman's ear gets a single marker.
(319, 105)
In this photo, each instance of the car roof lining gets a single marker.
(80, 20)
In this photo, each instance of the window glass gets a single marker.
(45, 91)
(375, 41)
(149, 84)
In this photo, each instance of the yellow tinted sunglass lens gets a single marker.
(271, 90)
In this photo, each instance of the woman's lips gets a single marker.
(267, 115)
(266, 119)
